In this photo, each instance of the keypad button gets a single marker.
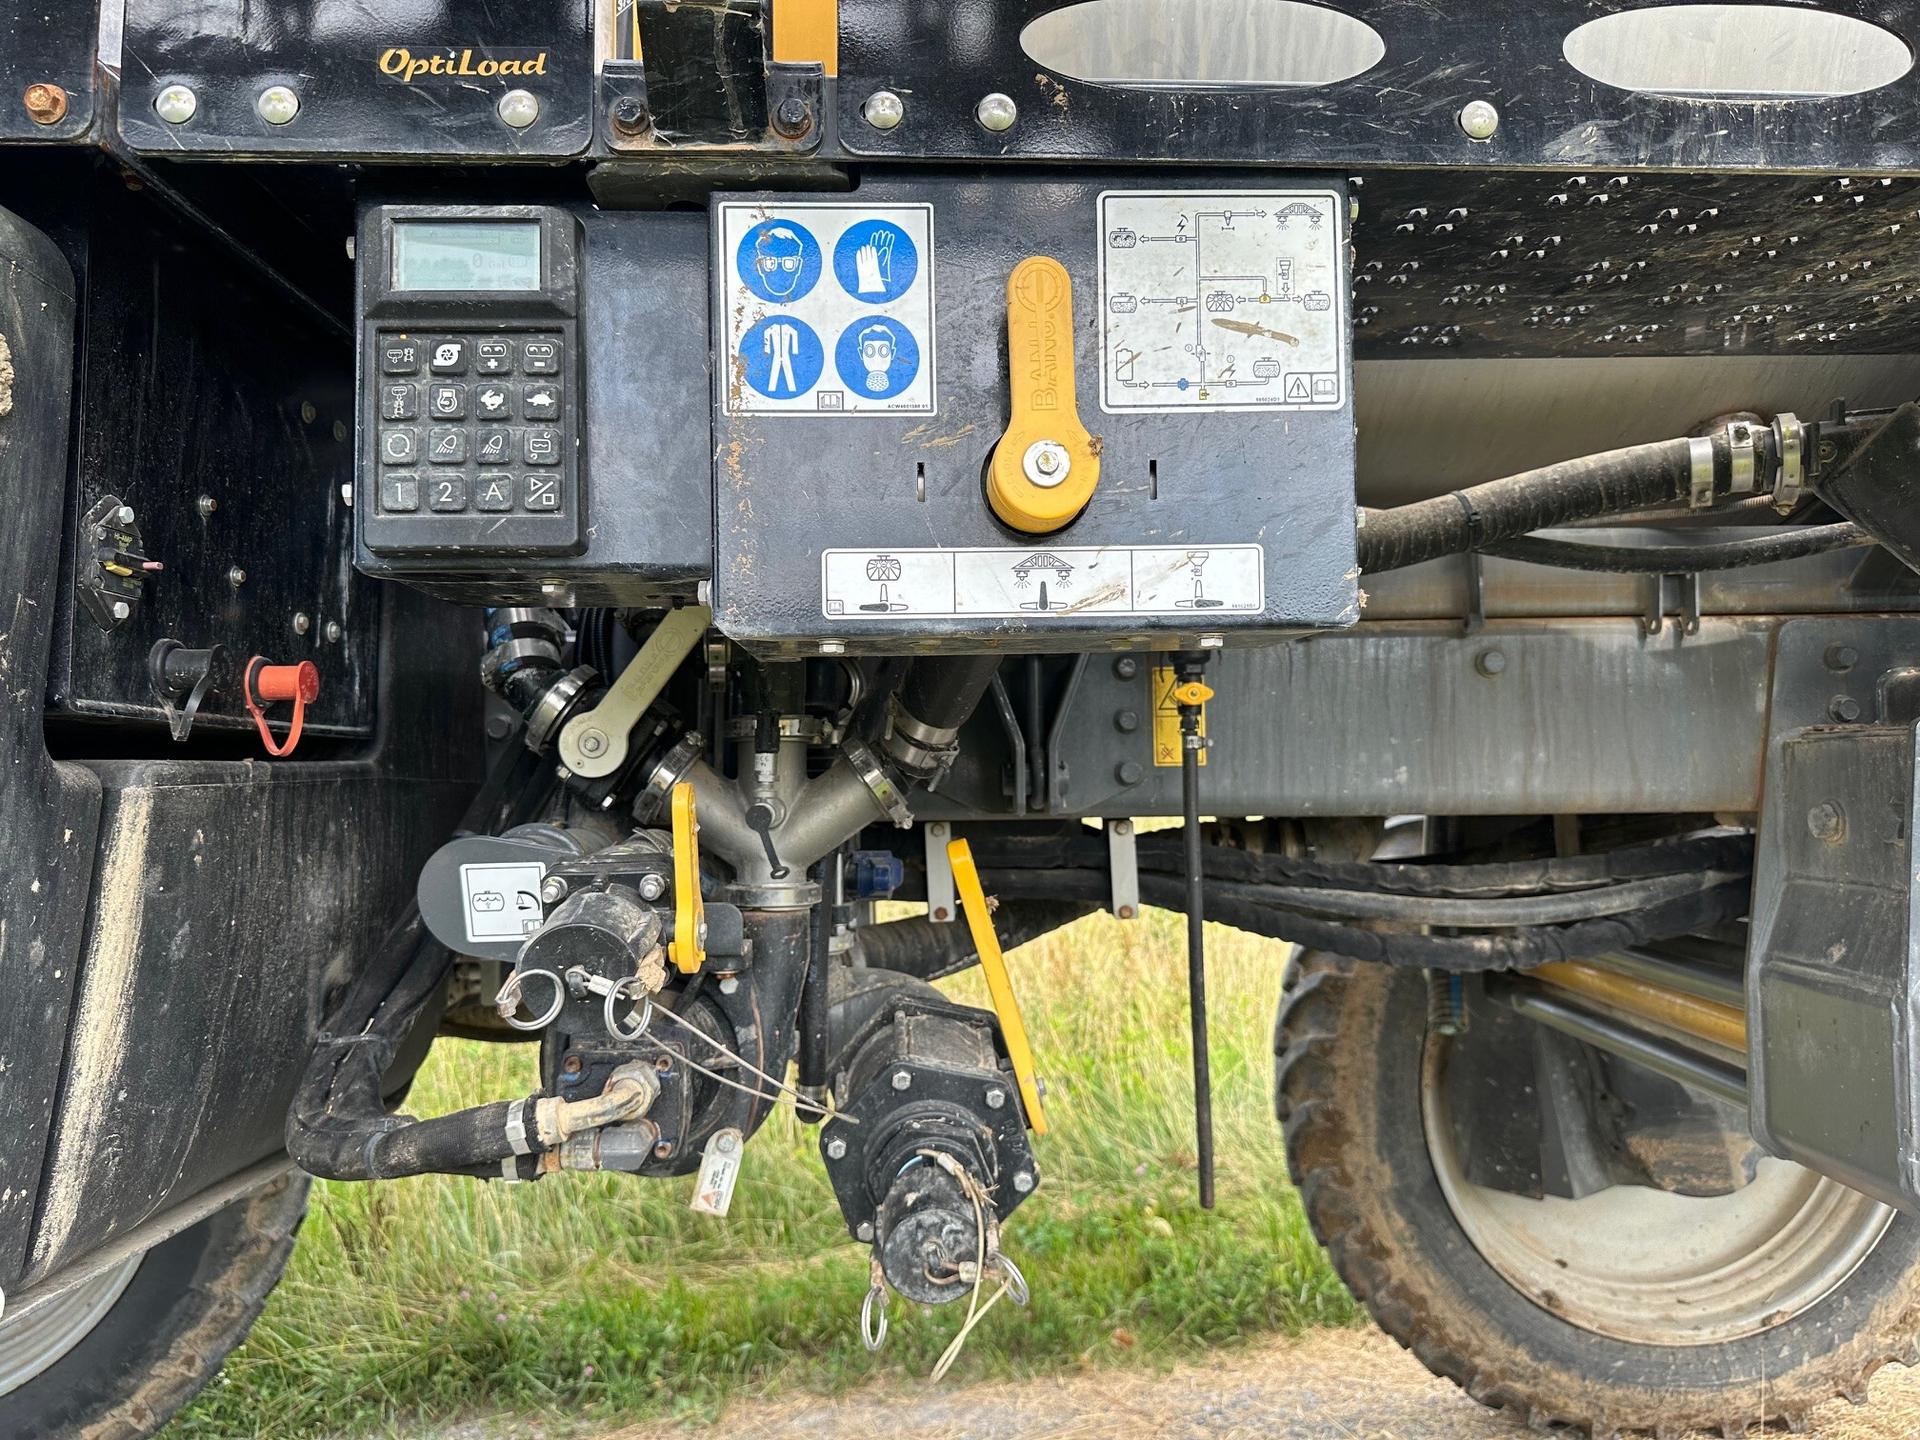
(540, 402)
(447, 492)
(494, 447)
(399, 492)
(399, 402)
(400, 357)
(494, 492)
(399, 446)
(447, 402)
(540, 357)
(493, 357)
(448, 357)
(540, 447)
(493, 402)
(447, 447)
(540, 492)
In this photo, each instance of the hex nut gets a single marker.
(1844, 708)
(902, 1080)
(1827, 821)
(652, 887)
(836, 1149)
(865, 1231)
(553, 889)
(1023, 1181)
(996, 1098)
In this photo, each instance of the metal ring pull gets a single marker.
(1016, 1283)
(873, 1335)
(507, 1002)
(615, 994)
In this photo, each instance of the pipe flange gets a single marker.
(886, 793)
(553, 709)
(669, 772)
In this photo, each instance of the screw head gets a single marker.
(1125, 912)
(339, 431)
(833, 647)
(592, 742)
(346, 495)
(553, 889)
(865, 1231)
(1046, 463)
(1126, 721)
(206, 505)
(793, 119)
(176, 104)
(124, 514)
(518, 108)
(1841, 658)
(902, 1080)
(121, 610)
(1125, 668)
(572, 1065)
(277, 104)
(1129, 772)
(1023, 1181)
(1827, 821)
(730, 985)
(309, 412)
(836, 1149)
(1490, 662)
(334, 632)
(46, 104)
(1479, 119)
(652, 887)
(1844, 708)
(1213, 642)
(629, 116)
(236, 577)
(302, 622)
(663, 1150)
(884, 110)
(996, 112)
(996, 1098)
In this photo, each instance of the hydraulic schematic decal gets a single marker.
(1043, 583)
(828, 308)
(1221, 300)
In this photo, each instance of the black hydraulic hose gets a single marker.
(1517, 949)
(1766, 548)
(1479, 914)
(1500, 510)
(941, 691)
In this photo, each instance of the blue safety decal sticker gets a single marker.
(827, 308)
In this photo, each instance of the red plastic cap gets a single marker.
(289, 682)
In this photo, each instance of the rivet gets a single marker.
(518, 108)
(236, 577)
(334, 632)
(883, 110)
(206, 505)
(996, 112)
(176, 104)
(302, 622)
(1479, 119)
(277, 104)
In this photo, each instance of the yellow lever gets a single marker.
(993, 964)
(688, 948)
(1045, 467)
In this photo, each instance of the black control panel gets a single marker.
(471, 394)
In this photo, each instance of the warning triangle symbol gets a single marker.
(1297, 387)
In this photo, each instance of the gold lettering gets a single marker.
(395, 61)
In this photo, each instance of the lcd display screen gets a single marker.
(466, 255)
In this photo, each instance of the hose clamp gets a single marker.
(517, 1132)
(886, 794)
(1790, 481)
(555, 706)
(1700, 457)
(1743, 457)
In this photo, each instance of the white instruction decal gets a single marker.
(719, 1173)
(1041, 584)
(829, 308)
(502, 900)
(1221, 300)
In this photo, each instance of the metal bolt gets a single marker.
(902, 1080)
(940, 912)
(302, 622)
(334, 632)
(1826, 821)
(1123, 827)
(1479, 119)
(124, 514)
(339, 431)
(499, 727)
(883, 110)
(572, 1065)
(1844, 708)
(176, 104)
(1023, 1181)
(518, 108)
(1125, 668)
(663, 1150)
(1125, 912)
(864, 1230)
(652, 887)
(121, 610)
(346, 495)
(206, 505)
(1212, 642)
(1046, 463)
(724, 1143)
(703, 591)
(1129, 772)
(308, 412)
(629, 116)
(1126, 721)
(277, 104)
(833, 647)
(793, 119)
(236, 577)
(836, 1149)
(593, 742)
(1826, 451)
(996, 112)
(553, 889)
(937, 829)
(1490, 662)
(46, 104)
(730, 985)
(996, 1098)
(1841, 658)
(662, 1063)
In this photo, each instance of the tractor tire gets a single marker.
(1352, 1059)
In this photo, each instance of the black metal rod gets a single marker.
(814, 1040)
(1663, 1057)
(1197, 951)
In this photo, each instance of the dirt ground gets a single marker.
(1343, 1385)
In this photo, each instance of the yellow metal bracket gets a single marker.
(688, 948)
(993, 964)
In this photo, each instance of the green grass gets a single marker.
(605, 1297)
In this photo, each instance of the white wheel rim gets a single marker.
(34, 1341)
(1654, 1268)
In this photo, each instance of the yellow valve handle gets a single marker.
(993, 964)
(1193, 693)
(688, 948)
(1045, 467)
